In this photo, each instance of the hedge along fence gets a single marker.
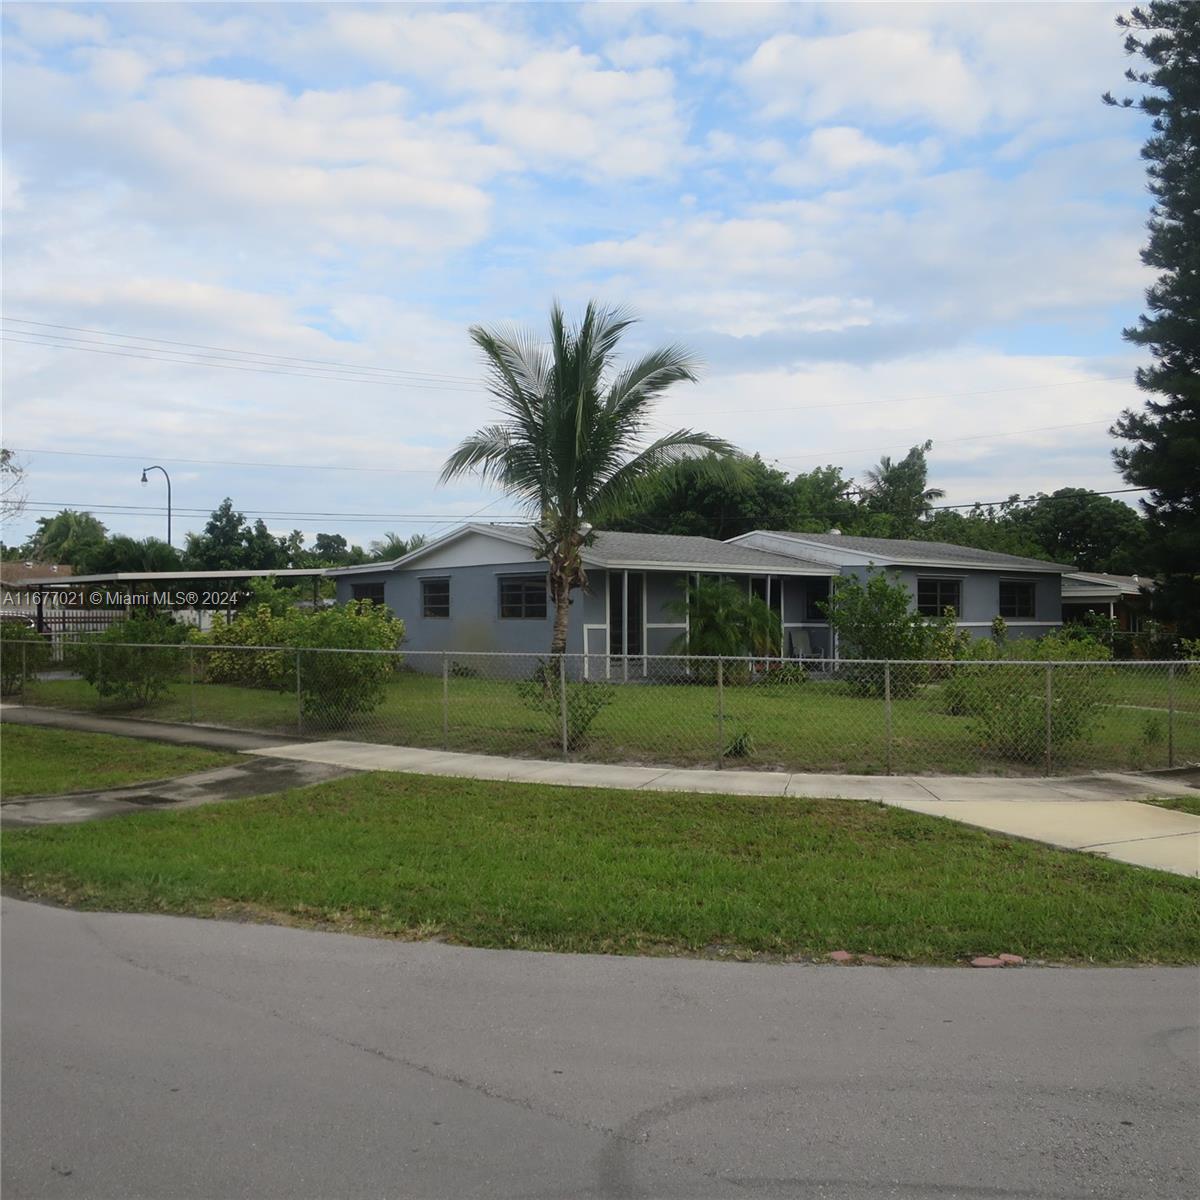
(1000, 716)
(135, 662)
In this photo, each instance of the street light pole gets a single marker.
(168, 479)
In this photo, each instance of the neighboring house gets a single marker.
(1123, 598)
(978, 584)
(18, 574)
(481, 589)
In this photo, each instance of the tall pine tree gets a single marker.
(1163, 453)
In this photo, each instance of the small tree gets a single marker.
(877, 620)
(133, 661)
(23, 652)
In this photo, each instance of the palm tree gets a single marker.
(570, 442)
(898, 488)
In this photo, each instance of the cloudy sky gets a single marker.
(245, 242)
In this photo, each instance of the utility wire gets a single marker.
(199, 361)
(323, 362)
(219, 462)
(1032, 387)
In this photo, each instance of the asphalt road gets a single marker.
(159, 1057)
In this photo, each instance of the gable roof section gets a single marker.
(847, 550)
(1081, 585)
(624, 551)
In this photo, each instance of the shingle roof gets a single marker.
(614, 549)
(911, 551)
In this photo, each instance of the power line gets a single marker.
(1032, 387)
(978, 437)
(323, 362)
(228, 366)
(254, 512)
(217, 462)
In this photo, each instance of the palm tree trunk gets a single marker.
(560, 590)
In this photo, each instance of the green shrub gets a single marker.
(877, 620)
(585, 702)
(23, 652)
(333, 687)
(723, 620)
(1002, 690)
(138, 673)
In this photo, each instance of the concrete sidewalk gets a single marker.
(1097, 813)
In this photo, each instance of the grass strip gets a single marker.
(549, 868)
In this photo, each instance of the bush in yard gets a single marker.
(23, 652)
(138, 673)
(585, 701)
(242, 665)
(333, 687)
(1001, 689)
(877, 620)
(723, 621)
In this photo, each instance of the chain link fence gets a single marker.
(818, 715)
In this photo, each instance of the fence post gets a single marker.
(720, 713)
(1049, 718)
(562, 705)
(1171, 715)
(192, 684)
(445, 700)
(299, 697)
(887, 708)
(24, 668)
(99, 672)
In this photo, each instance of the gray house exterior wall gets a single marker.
(475, 624)
(980, 584)
(980, 591)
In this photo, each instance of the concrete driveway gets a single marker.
(161, 1057)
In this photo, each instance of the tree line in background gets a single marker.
(1070, 525)
(228, 542)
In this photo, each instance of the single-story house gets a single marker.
(979, 585)
(1122, 598)
(480, 588)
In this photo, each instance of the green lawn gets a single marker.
(514, 865)
(38, 762)
(1187, 804)
(815, 726)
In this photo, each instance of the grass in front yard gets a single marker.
(815, 726)
(539, 867)
(35, 761)
(1187, 804)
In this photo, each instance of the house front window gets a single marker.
(934, 596)
(368, 591)
(523, 597)
(1017, 598)
(435, 598)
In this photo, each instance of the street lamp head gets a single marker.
(144, 479)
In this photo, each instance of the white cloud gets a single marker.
(890, 76)
(644, 51)
(836, 151)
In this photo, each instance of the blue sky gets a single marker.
(875, 224)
